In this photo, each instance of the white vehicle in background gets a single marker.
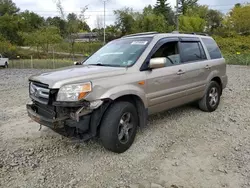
(4, 62)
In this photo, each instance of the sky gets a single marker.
(95, 10)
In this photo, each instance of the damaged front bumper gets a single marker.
(68, 121)
(53, 123)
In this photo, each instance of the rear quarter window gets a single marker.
(212, 48)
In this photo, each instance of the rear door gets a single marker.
(195, 65)
(216, 63)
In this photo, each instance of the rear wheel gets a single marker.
(6, 65)
(119, 125)
(211, 99)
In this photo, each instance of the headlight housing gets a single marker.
(74, 92)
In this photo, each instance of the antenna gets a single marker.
(104, 23)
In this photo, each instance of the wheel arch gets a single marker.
(140, 107)
(218, 80)
(98, 114)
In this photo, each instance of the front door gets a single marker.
(165, 85)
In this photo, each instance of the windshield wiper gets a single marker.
(107, 65)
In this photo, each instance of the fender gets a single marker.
(123, 90)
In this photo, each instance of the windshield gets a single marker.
(119, 53)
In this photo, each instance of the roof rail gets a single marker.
(191, 33)
(141, 34)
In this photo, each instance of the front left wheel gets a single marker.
(119, 126)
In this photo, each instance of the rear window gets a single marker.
(192, 51)
(212, 48)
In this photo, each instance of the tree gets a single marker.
(5, 46)
(42, 38)
(125, 20)
(185, 5)
(30, 21)
(192, 24)
(212, 17)
(59, 23)
(238, 19)
(150, 21)
(162, 7)
(8, 7)
(74, 24)
(214, 20)
(9, 27)
(71, 17)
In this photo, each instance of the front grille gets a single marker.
(39, 92)
(44, 110)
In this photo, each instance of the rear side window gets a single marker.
(212, 48)
(192, 51)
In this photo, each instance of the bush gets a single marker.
(233, 45)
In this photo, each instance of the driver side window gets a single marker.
(170, 51)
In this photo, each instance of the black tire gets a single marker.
(6, 65)
(211, 99)
(112, 128)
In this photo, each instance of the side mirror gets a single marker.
(77, 63)
(158, 62)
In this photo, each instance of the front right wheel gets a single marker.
(119, 126)
(211, 99)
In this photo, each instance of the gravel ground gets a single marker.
(180, 148)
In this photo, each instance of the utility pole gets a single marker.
(104, 22)
(177, 15)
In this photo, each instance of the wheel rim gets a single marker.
(125, 128)
(213, 96)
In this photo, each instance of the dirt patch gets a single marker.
(183, 147)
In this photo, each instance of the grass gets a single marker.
(80, 48)
(238, 59)
(40, 63)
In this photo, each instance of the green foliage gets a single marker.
(148, 21)
(192, 24)
(125, 20)
(6, 47)
(59, 23)
(163, 8)
(185, 5)
(238, 19)
(232, 45)
(9, 28)
(80, 48)
(42, 38)
(235, 49)
(30, 21)
(8, 7)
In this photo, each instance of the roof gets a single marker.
(175, 34)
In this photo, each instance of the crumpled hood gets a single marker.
(76, 74)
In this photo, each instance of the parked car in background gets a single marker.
(4, 62)
(115, 89)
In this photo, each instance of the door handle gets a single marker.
(180, 72)
(208, 67)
